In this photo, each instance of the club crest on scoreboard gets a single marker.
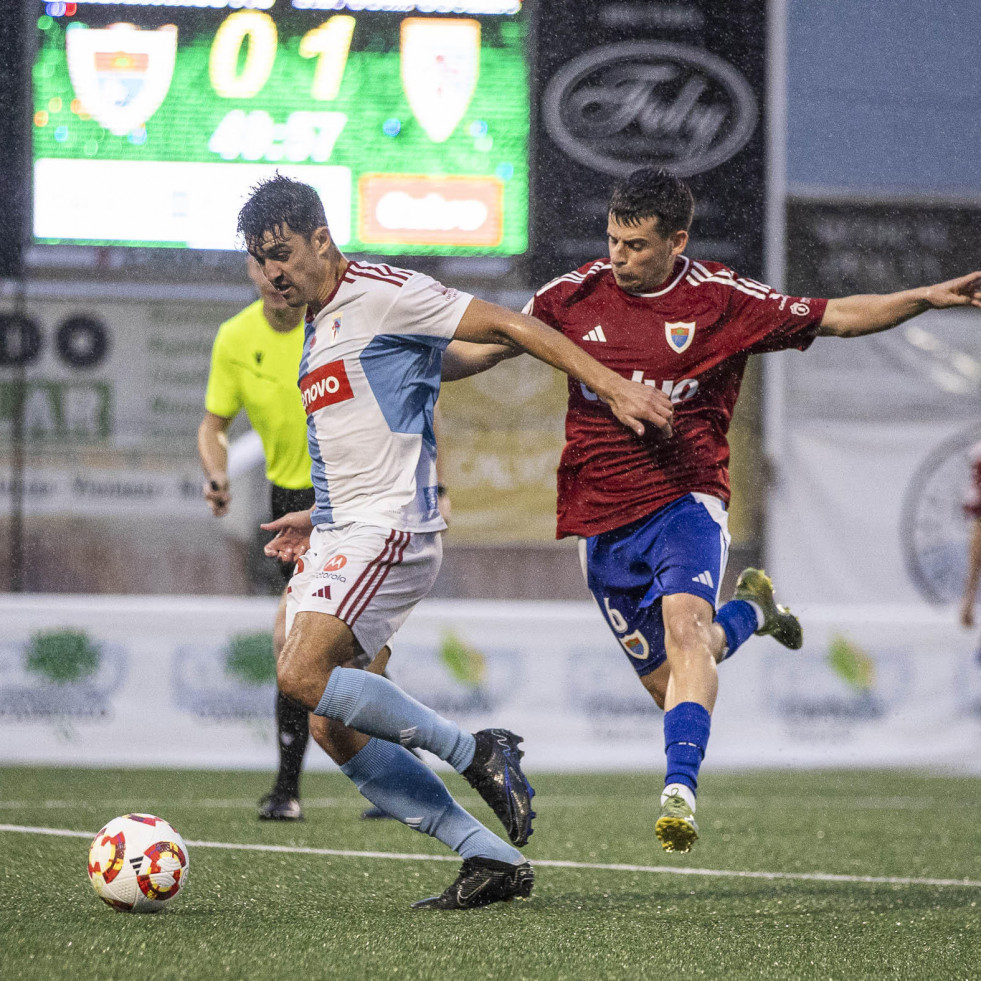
(440, 67)
(121, 74)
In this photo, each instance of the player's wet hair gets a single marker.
(653, 193)
(277, 202)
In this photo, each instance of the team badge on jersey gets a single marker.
(679, 335)
(335, 328)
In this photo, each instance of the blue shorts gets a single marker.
(680, 548)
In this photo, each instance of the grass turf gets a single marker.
(291, 915)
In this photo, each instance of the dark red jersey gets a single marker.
(691, 338)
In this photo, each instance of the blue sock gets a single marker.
(686, 734)
(373, 705)
(739, 621)
(404, 787)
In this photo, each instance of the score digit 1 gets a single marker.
(329, 44)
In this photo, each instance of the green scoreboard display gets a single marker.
(152, 120)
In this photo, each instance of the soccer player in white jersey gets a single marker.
(370, 548)
(650, 510)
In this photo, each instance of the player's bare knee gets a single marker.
(294, 675)
(686, 641)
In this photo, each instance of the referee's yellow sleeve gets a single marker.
(222, 397)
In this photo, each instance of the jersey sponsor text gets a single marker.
(325, 386)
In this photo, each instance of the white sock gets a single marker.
(679, 790)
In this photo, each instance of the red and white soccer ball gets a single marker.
(138, 863)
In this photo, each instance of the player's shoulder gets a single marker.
(570, 282)
(242, 325)
(706, 276)
(378, 275)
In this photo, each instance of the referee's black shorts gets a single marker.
(282, 500)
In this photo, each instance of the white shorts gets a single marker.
(367, 576)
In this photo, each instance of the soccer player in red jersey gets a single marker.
(650, 510)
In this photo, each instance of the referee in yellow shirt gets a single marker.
(254, 366)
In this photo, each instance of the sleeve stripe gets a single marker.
(699, 274)
(379, 271)
(575, 277)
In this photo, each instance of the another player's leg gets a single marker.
(692, 645)
(399, 783)
(282, 803)
(657, 581)
(489, 760)
(379, 665)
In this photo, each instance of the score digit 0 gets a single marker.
(260, 29)
(329, 43)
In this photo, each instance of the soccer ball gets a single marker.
(138, 863)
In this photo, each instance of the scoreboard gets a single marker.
(152, 119)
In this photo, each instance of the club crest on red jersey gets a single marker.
(679, 335)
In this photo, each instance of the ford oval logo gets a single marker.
(649, 103)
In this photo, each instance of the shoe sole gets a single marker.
(675, 834)
(522, 839)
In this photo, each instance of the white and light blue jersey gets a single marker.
(369, 378)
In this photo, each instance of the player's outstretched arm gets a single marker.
(292, 537)
(461, 359)
(633, 403)
(855, 316)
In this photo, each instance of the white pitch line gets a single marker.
(557, 801)
(887, 880)
(61, 805)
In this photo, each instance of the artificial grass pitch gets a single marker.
(295, 914)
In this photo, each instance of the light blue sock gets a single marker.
(404, 787)
(373, 705)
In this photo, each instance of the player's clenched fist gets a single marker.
(218, 495)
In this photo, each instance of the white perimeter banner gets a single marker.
(168, 681)
(870, 442)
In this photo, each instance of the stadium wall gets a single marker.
(187, 682)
